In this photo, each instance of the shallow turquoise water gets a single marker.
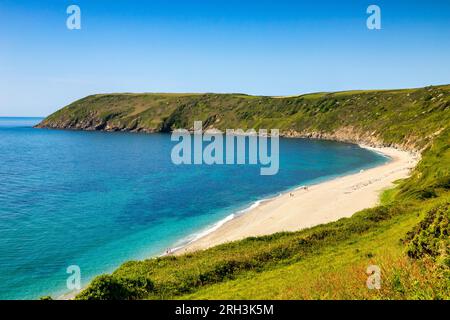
(97, 199)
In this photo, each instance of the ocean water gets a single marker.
(97, 199)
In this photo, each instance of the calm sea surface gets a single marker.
(97, 199)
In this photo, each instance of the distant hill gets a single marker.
(408, 118)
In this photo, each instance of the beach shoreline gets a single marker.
(316, 204)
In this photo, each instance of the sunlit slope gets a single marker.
(408, 118)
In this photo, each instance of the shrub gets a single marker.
(108, 287)
(221, 271)
(431, 236)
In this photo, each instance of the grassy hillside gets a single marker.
(407, 236)
(408, 118)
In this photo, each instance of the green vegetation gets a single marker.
(107, 287)
(407, 235)
(408, 118)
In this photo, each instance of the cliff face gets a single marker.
(408, 119)
(358, 136)
(95, 123)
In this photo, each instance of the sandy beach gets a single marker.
(318, 204)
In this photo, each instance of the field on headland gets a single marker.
(407, 235)
(406, 118)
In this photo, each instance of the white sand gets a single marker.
(321, 203)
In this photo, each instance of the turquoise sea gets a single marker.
(97, 199)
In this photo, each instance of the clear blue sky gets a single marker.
(257, 47)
